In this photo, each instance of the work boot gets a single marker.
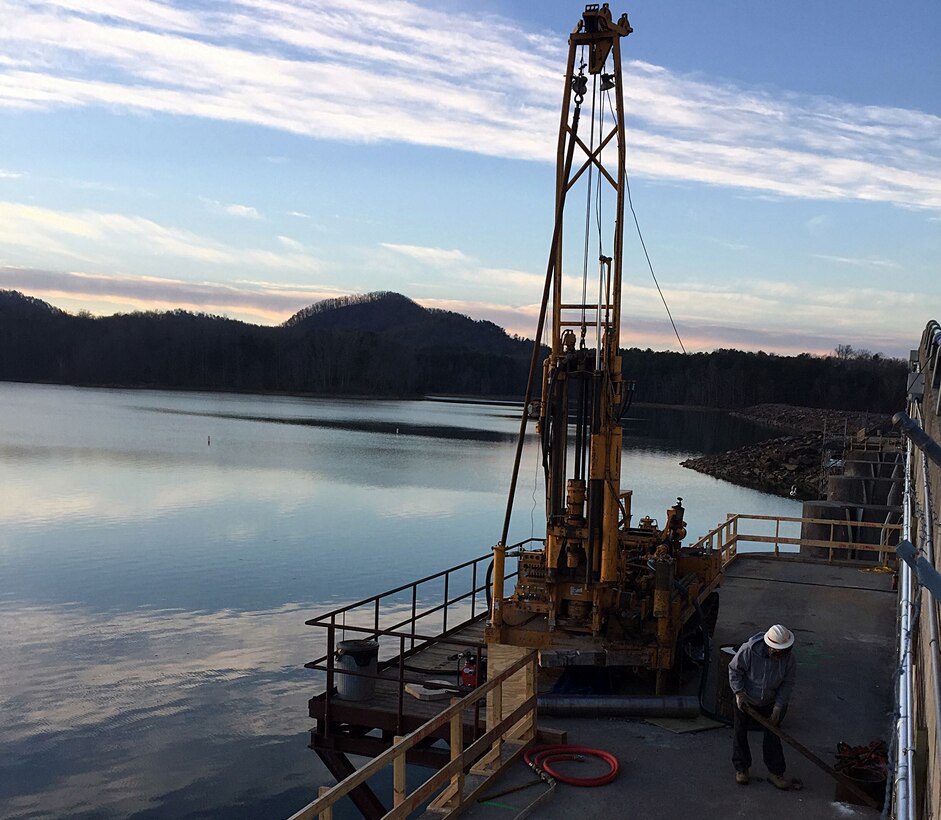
(742, 778)
(778, 780)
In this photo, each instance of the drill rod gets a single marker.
(838, 776)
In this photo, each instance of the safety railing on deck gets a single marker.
(518, 728)
(432, 602)
(415, 591)
(728, 535)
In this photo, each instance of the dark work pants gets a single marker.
(771, 749)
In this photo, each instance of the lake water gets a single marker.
(159, 553)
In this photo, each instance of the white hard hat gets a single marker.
(779, 637)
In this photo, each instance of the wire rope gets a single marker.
(588, 192)
(640, 235)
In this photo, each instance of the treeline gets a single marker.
(733, 378)
(387, 345)
(383, 345)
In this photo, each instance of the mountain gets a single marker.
(386, 312)
(376, 344)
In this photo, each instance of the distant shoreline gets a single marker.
(791, 465)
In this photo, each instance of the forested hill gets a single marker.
(384, 344)
(380, 344)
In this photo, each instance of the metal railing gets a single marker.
(728, 535)
(916, 784)
(381, 617)
(518, 728)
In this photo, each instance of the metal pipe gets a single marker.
(676, 706)
(913, 432)
(551, 269)
(903, 788)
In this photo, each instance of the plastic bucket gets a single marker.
(360, 656)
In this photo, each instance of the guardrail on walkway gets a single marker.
(489, 754)
(729, 534)
(442, 604)
(916, 779)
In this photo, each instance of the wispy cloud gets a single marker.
(724, 243)
(708, 333)
(858, 261)
(424, 254)
(4, 174)
(265, 302)
(231, 209)
(777, 317)
(344, 70)
(85, 234)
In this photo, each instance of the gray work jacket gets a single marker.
(764, 679)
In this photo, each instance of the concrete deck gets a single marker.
(843, 618)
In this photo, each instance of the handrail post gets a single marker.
(376, 619)
(499, 569)
(497, 717)
(534, 677)
(414, 610)
(400, 718)
(473, 589)
(457, 748)
(777, 534)
(327, 813)
(398, 775)
(328, 694)
(447, 603)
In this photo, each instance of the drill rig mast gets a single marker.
(599, 591)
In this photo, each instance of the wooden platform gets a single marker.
(368, 727)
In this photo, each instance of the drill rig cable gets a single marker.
(550, 270)
(707, 655)
(588, 190)
(640, 235)
(643, 244)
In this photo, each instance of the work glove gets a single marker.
(777, 714)
(740, 701)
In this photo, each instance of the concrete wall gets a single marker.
(868, 490)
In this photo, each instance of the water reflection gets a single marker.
(386, 427)
(154, 587)
(98, 711)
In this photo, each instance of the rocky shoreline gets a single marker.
(793, 465)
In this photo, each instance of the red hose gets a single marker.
(540, 758)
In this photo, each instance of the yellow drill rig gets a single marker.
(599, 591)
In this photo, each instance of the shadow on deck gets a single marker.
(843, 618)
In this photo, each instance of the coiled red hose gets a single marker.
(540, 758)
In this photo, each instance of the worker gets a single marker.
(762, 677)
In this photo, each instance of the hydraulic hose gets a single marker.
(707, 655)
(541, 758)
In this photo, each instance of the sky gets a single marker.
(250, 157)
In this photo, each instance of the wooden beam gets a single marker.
(363, 797)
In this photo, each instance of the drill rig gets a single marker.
(600, 590)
